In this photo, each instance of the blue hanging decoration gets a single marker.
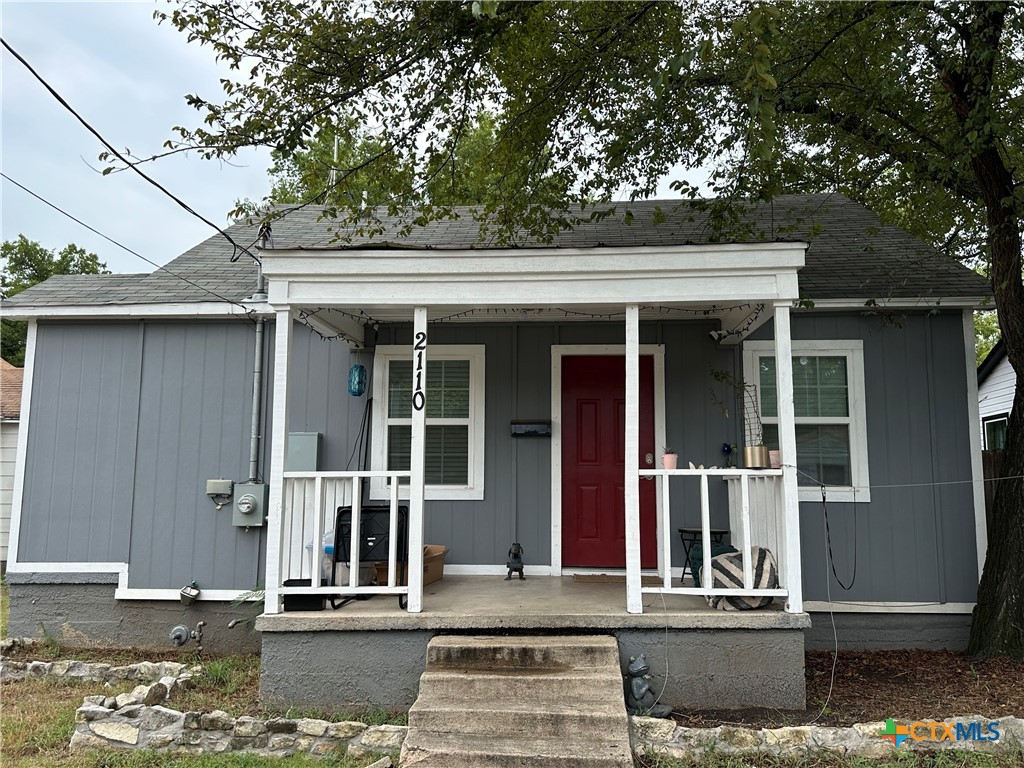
(357, 380)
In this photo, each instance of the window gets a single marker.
(454, 419)
(995, 432)
(828, 400)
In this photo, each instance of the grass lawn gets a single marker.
(827, 760)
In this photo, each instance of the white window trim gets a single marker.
(475, 353)
(853, 351)
(986, 420)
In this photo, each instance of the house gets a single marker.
(997, 383)
(10, 410)
(513, 394)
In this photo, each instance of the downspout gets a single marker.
(257, 382)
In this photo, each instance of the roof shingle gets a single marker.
(851, 254)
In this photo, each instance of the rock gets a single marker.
(160, 741)
(125, 699)
(869, 729)
(95, 700)
(155, 718)
(217, 721)
(85, 740)
(652, 728)
(109, 702)
(249, 726)
(156, 693)
(384, 762)
(303, 743)
(122, 732)
(384, 736)
(695, 739)
(59, 668)
(326, 748)
(190, 737)
(119, 673)
(311, 727)
(785, 739)
(738, 738)
(193, 721)
(281, 725)
(131, 711)
(91, 712)
(38, 668)
(140, 691)
(281, 741)
(147, 670)
(345, 730)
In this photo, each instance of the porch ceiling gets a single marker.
(463, 313)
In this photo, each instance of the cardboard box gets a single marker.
(433, 566)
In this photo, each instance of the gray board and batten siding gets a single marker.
(128, 422)
(915, 541)
(126, 428)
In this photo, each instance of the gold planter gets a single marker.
(755, 456)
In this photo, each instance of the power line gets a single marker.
(126, 161)
(60, 210)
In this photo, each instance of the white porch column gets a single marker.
(417, 460)
(278, 448)
(634, 603)
(787, 444)
(21, 453)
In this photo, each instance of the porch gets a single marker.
(345, 293)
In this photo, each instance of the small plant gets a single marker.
(50, 642)
(670, 451)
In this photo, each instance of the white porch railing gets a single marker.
(745, 530)
(310, 502)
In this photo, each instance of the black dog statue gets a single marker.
(515, 561)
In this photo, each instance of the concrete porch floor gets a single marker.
(538, 603)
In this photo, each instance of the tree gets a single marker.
(344, 165)
(912, 108)
(25, 263)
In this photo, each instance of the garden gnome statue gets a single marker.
(515, 561)
(640, 699)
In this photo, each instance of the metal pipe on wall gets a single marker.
(257, 387)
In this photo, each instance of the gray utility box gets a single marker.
(303, 453)
(249, 505)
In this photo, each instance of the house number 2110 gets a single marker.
(419, 399)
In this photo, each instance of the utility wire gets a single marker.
(126, 161)
(248, 310)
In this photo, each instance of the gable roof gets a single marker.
(10, 390)
(991, 361)
(851, 254)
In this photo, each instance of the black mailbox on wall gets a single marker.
(531, 429)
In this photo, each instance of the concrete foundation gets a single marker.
(722, 669)
(86, 615)
(888, 631)
(343, 671)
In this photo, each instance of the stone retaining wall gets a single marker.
(139, 720)
(652, 736)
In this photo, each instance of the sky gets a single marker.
(127, 76)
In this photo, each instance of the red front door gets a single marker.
(593, 461)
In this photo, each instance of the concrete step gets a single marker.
(538, 701)
(540, 652)
(545, 720)
(456, 683)
(433, 750)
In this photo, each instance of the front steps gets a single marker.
(497, 702)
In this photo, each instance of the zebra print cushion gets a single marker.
(727, 573)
